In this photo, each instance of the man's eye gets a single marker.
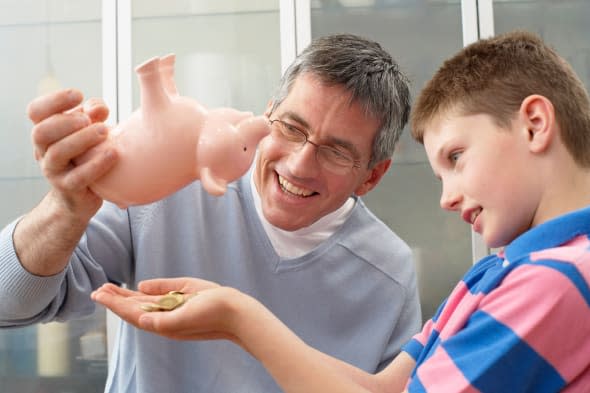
(291, 129)
(337, 154)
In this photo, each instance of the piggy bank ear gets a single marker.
(212, 184)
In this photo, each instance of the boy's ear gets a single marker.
(373, 177)
(538, 116)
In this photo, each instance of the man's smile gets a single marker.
(293, 189)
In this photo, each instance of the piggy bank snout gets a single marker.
(253, 129)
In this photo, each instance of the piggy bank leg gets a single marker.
(148, 67)
(167, 72)
(212, 184)
(152, 94)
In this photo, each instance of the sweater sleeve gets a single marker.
(410, 317)
(103, 254)
(24, 295)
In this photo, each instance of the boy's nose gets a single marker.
(450, 199)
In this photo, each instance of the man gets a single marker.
(292, 233)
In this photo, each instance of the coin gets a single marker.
(149, 307)
(168, 302)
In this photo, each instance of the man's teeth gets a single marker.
(293, 189)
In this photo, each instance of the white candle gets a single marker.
(53, 349)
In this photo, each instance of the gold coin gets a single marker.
(168, 302)
(179, 296)
(149, 307)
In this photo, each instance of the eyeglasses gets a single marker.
(334, 159)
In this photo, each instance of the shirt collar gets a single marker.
(550, 234)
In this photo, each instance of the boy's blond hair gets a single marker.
(493, 76)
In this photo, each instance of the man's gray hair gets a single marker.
(368, 72)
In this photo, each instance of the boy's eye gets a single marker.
(454, 156)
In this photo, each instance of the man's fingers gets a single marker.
(75, 145)
(57, 161)
(81, 176)
(56, 128)
(44, 106)
(96, 109)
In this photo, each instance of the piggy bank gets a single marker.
(172, 140)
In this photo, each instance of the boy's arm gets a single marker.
(225, 313)
(298, 367)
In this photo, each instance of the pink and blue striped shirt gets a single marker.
(518, 321)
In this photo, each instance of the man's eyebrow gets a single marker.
(294, 116)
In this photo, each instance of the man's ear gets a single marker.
(538, 116)
(373, 177)
(268, 109)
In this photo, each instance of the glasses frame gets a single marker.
(304, 138)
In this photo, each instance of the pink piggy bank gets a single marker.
(172, 140)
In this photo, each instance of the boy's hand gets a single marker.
(207, 312)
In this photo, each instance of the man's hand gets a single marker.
(63, 130)
(45, 238)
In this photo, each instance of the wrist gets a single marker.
(75, 212)
(246, 320)
(45, 238)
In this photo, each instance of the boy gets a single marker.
(506, 127)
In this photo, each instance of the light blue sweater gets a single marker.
(354, 296)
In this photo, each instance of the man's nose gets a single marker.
(303, 160)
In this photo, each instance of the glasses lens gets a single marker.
(333, 159)
(289, 132)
